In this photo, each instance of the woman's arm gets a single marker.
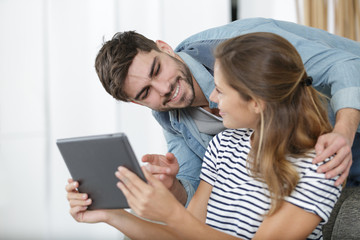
(125, 222)
(153, 201)
(198, 204)
(289, 222)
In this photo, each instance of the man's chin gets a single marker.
(184, 104)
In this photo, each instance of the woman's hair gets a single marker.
(264, 66)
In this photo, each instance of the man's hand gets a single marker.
(338, 143)
(163, 167)
(328, 145)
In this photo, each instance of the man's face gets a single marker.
(159, 81)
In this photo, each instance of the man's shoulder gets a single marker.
(223, 32)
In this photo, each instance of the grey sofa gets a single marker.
(344, 222)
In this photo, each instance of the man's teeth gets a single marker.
(176, 92)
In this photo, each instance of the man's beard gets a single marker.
(186, 76)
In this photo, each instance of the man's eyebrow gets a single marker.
(152, 67)
(150, 76)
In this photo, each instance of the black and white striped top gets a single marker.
(238, 202)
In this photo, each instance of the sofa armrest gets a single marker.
(344, 221)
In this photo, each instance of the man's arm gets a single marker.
(338, 142)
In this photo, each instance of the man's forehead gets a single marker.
(141, 64)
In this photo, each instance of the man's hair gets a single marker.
(115, 57)
(265, 66)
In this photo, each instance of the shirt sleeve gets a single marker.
(189, 163)
(314, 193)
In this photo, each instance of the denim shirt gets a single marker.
(332, 61)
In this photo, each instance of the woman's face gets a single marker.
(235, 111)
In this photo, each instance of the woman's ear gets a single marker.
(164, 47)
(257, 106)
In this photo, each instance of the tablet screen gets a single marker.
(93, 160)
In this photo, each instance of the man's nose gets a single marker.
(163, 87)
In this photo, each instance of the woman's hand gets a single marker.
(150, 200)
(79, 203)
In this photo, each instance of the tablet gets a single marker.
(93, 160)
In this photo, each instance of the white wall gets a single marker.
(277, 9)
(49, 90)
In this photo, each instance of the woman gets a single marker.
(257, 179)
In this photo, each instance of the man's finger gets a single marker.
(151, 158)
(326, 153)
(340, 157)
(155, 169)
(336, 169)
(170, 157)
(343, 176)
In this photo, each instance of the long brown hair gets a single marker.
(264, 66)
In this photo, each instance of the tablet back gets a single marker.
(93, 160)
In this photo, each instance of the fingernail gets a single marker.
(74, 183)
(84, 196)
(88, 201)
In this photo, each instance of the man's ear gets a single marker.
(164, 47)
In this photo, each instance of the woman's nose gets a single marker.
(213, 96)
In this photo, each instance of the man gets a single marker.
(177, 84)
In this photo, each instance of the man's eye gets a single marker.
(146, 93)
(157, 70)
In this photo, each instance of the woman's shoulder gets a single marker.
(235, 133)
(304, 163)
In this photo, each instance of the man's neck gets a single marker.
(200, 99)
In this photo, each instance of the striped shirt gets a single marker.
(238, 202)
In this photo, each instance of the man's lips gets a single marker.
(176, 92)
